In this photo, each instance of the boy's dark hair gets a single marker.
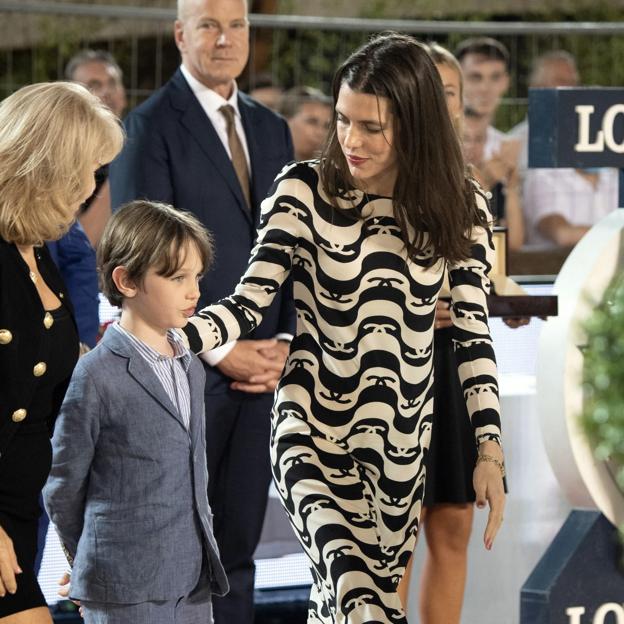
(142, 235)
(487, 47)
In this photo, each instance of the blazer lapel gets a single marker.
(141, 371)
(196, 385)
(198, 125)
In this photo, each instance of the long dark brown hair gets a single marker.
(433, 196)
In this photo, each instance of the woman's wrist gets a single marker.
(491, 447)
(490, 451)
(499, 463)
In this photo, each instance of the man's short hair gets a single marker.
(292, 101)
(486, 47)
(144, 235)
(91, 56)
(552, 56)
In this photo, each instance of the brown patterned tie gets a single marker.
(239, 161)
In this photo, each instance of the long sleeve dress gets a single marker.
(351, 420)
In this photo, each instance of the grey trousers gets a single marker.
(196, 608)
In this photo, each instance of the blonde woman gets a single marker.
(53, 136)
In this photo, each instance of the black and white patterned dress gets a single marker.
(352, 415)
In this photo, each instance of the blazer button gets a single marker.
(5, 336)
(39, 369)
(18, 415)
(48, 320)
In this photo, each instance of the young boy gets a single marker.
(128, 486)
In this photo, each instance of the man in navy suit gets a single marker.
(185, 149)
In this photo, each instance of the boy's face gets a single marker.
(167, 302)
(485, 82)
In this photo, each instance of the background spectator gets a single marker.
(556, 68)
(485, 66)
(308, 112)
(498, 175)
(99, 72)
(267, 91)
(561, 204)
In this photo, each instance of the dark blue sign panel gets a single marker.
(580, 128)
(579, 579)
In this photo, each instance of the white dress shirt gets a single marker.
(567, 193)
(211, 102)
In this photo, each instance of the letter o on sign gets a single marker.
(609, 608)
(608, 122)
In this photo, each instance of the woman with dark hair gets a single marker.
(366, 235)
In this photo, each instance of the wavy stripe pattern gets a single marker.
(351, 421)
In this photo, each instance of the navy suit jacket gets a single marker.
(75, 258)
(173, 154)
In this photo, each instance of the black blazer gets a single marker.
(173, 154)
(23, 332)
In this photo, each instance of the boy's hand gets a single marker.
(65, 583)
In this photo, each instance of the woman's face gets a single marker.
(451, 80)
(365, 132)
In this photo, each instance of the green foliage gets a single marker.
(310, 57)
(603, 379)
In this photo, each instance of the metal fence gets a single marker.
(39, 37)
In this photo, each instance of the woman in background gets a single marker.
(53, 136)
(449, 493)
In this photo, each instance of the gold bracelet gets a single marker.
(482, 457)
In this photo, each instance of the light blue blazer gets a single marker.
(128, 486)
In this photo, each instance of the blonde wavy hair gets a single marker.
(441, 56)
(51, 136)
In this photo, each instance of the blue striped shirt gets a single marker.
(172, 372)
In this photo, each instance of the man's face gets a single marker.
(485, 82)
(103, 81)
(213, 38)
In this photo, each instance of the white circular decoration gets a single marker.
(580, 285)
